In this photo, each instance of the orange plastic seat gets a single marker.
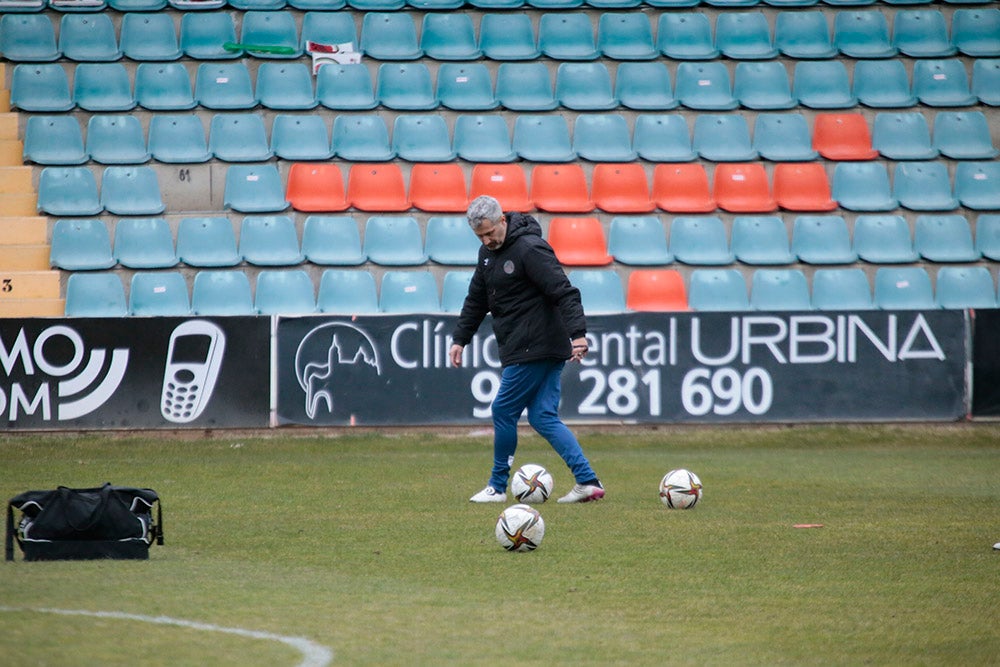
(743, 188)
(504, 182)
(802, 186)
(579, 241)
(843, 136)
(656, 290)
(377, 187)
(682, 188)
(438, 187)
(316, 187)
(560, 188)
(621, 188)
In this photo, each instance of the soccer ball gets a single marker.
(520, 528)
(680, 489)
(531, 484)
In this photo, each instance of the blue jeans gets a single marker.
(535, 386)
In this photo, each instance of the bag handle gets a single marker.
(9, 543)
(95, 515)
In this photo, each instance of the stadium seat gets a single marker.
(177, 139)
(822, 84)
(704, 86)
(254, 189)
(222, 293)
(82, 244)
(131, 191)
(644, 86)
(863, 186)
(203, 36)
(960, 287)
(742, 188)
(163, 87)
(923, 186)
(439, 188)
(626, 36)
(28, 38)
(316, 187)
(662, 138)
(285, 86)
(300, 137)
(482, 138)
(921, 33)
(507, 36)
(988, 236)
(977, 185)
(685, 36)
(639, 240)
(377, 187)
(985, 81)
(600, 290)
(761, 240)
(88, 38)
(584, 86)
(102, 87)
(465, 87)
(543, 138)
(347, 292)
(207, 242)
(54, 140)
(903, 288)
(883, 239)
(976, 31)
(560, 188)
(149, 37)
(285, 292)
(270, 34)
(328, 27)
(843, 136)
(802, 187)
(700, 240)
(621, 188)
(332, 240)
(903, 136)
(803, 35)
(779, 290)
(451, 241)
(579, 241)
(944, 238)
(942, 83)
(718, 290)
(116, 140)
(682, 188)
(603, 138)
(454, 288)
(783, 137)
(406, 87)
(763, 85)
(567, 36)
(505, 182)
(525, 87)
(318, 6)
(862, 34)
(68, 191)
(449, 36)
(376, 5)
(159, 293)
(257, 5)
(723, 138)
(422, 138)
(841, 289)
(239, 137)
(963, 135)
(389, 36)
(361, 138)
(744, 36)
(345, 87)
(95, 295)
(656, 290)
(409, 292)
(270, 240)
(822, 239)
(224, 86)
(883, 84)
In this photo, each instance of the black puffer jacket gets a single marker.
(536, 311)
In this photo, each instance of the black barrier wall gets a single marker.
(643, 367)
(986, 364)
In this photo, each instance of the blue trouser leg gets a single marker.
(543, 415)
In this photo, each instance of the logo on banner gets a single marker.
(327, 358)
(194, 358)
(83, 380)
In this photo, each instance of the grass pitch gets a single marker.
(367, 544)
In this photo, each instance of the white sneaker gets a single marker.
(489, 495)
(583, 493)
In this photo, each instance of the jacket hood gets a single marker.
(518, 225)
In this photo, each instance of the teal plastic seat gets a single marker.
(285, 86)
(254, 189)
(376, 5)
(159, 293)
(345, 87)
(841, 289)
(270, 240)
(644, 86)
(454, 289)
(132, 190)
(685, 36)
(924, 186)
(960, 287)
(102, 87)
(744, 36)
(803, 35)
(525, 87)
(779, 290)
(585, 86)
(783, 137)
(204, 34)
(976, 31)
(451, 241)
(239, 137)
(207, 242)
(361, 138)
(300, 138)
(274, 32)
(903, 136)
(347, 292)
(257, 5)
(144, 243)
(394, 240)
(977, 185)
(903, 288)
(763, 85)
(921, 33)
(600, 290)
(332, 240)
(944, 238)
(406, 87)
(567, 36)
(389, 36)
(149, 37)
(449, 36)
(328, 27)
(603, 138)
(221, 293)
(28, 38)
(483, 138)
(409, 292)
(638, 240)
(508, 36)
(497, 4)
(88, 38)
(862, 186)
(82, 244)
(723, 138)
(68, 191)
(178, 139)
(884, 239)
(822, 239)
(465, 87)
(285, 292)
(163, 87)
(761, 240)
(626, 36)
(942, 83)
(318, 6)
(963, 135)
(95, 295)
(705, 86)
(54, 140)
(662, 138)
(718, 290)
(700, 240)
(224, 86)
(882, 84)
(822, 84)
(985, 81)
(862, 34)
(543, 138)
(116, 140)
(422, 138)
(988, 236)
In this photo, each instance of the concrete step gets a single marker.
(8, 124)
(16, 180)
(18, 308)
(15, 258)
(16, 285)
(26, 230)
(11, 153)
(19, 204)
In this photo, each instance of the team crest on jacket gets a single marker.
(508, 267)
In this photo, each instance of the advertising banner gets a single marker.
(158, 372)
(986, 364)
(642, 367)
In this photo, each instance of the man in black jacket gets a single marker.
(539, 324)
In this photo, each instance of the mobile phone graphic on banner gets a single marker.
(194, 358)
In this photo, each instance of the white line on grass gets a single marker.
(313, 654)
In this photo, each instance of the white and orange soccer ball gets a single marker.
(531, 483)
(680, 489)
(520, 528)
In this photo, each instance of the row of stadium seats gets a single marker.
(919, 33)
(823, 84)
(205, 242)
(354, 292)
(242, 137)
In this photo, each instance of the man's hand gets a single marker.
(455, 354)
(580, 348)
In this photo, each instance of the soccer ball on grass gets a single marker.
(520, 528)
(531, 484)
(680, 489)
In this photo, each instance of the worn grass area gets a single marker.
(367, 544)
